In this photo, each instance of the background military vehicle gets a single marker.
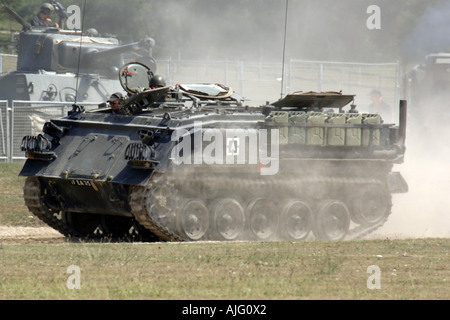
(194, 162)
(66, 65)
(427, 88)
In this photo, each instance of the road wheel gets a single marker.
(229, 218)
(332, 220)
(296, 220)
(193, 219)
(371, 204)
(262, 218)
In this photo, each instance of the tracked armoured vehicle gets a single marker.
(55, 64)
(428, 85)
(194, 162)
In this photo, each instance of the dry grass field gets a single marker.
(12, 209)
(48, 267)
(407, 269)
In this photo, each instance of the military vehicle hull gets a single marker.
(52, 86)
(427, 90)
(215, 171)
(54, 64)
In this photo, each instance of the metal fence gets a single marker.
(5, 141)
(256, 81)
(19, 118)
(261, 81)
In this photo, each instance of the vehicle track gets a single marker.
(169, 209)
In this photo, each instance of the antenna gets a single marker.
(284, 48)
(79, 53)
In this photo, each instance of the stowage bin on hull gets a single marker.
(193, 163)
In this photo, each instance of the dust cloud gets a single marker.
(429, 33)
(324, 30)
(425, 210)
(328, 30)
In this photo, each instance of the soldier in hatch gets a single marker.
(157, 81)
(43, 17)
(114, 101)
(379, 106)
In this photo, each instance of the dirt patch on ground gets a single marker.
(19, 235)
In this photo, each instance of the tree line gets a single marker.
(254, 29)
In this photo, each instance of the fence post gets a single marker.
(320, 77)
(169, 71)
(226, 71)
(242, 78)
(288, 89)
(9, 126)
(4, 140)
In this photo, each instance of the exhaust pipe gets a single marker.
(403, 107)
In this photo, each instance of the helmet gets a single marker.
(47, 6)
(91, 32)
(115, 96)
(157, 80)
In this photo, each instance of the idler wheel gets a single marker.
(262, 218)
(296, 220)
(229, 218)
(370, 205)
(332, 220)
(193, 220)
